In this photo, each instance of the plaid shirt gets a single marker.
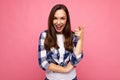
(52, 56)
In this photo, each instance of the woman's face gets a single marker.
(59, 20)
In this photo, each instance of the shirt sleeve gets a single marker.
(73, 58)
(42, 53)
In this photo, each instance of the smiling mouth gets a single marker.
(59, 27)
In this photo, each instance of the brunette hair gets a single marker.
(51, 39)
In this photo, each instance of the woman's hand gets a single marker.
(79, 47)
(69, 67)
(79, 32)
(58, 68)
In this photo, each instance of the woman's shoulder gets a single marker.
(43, 33)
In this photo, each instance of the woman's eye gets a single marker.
(55, 18)
(62, 18)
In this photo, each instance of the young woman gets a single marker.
(59, 48)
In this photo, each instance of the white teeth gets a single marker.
(58, 25)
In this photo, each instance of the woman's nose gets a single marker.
(58, 22)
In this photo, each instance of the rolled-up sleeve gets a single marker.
(73, 58)
(42, 53)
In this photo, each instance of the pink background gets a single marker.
(21, 22)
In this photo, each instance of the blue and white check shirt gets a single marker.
(52, 56)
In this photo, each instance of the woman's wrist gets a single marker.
(68, 68)
(80, 38)
(80, 41)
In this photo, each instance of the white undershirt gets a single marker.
(61, 76)
(60, 42)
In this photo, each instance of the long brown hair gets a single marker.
(51, 39)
